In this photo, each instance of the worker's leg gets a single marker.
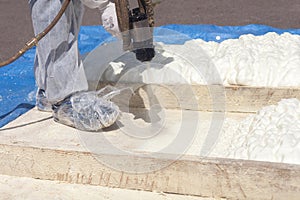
(59, 71)
(58, 68)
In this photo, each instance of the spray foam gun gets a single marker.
(136, 22)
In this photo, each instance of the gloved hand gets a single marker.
(110, 20)
(108, 14)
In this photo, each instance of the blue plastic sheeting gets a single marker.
(17, 94)
(210, 32)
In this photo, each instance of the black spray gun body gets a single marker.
(135, 18)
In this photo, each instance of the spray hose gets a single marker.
(34, 41)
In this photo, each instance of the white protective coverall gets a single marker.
(58, 69)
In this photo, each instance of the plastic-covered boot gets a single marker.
(42, 102)
(87, 111)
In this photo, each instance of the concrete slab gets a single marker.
(27, 188)
(128, 158)
(134, 132)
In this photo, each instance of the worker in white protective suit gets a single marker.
(59, 72)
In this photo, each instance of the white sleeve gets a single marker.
(100, 4)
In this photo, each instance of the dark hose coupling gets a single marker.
(142, 35)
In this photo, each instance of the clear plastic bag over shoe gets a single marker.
(89, 111)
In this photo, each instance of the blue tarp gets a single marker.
(17, 94)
